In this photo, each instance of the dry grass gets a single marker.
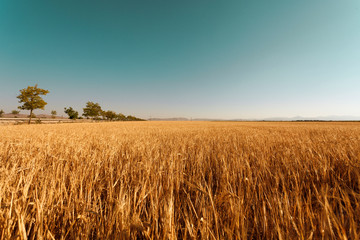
(189, 180)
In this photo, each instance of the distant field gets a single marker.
(13, 120)
(180, 180)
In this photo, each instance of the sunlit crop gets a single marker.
(180, 180)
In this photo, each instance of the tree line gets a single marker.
(93, 111)
(30, 99)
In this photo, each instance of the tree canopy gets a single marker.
(71, 113)
(110, 115)
(92, 110)
(53, 113)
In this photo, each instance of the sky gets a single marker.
(190, 58)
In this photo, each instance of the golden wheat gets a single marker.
(180, 180)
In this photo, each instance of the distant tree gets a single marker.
(53, 113)
(132, 118)
(71, 113)
(92, 110)
(15, 113)
(110, 115)
(1, 112)
(31, 99)
(102, 114)
(121, 117)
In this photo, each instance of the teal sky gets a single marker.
(188, 58)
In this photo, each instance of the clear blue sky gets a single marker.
(188, 58)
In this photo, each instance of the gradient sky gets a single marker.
(188, 58)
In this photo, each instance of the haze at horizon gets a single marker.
(213, 59)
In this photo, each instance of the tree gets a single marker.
(1, 112)
(15, 113)
(92, 110)
(53, 113)
(31, 99)
(110, 115)
(71, 113)
(132, 118)
(121, 117)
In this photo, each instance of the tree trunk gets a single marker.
(30, 116)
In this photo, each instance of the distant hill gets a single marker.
(319, 118)
(296, 118)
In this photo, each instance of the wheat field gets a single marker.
(180, 180)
